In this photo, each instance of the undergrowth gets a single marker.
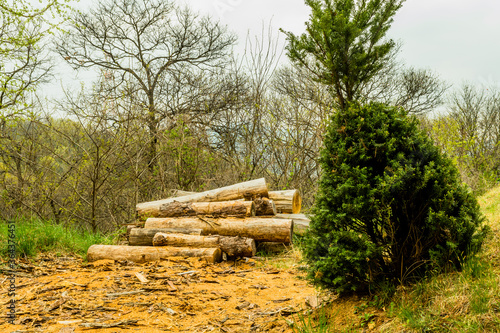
(465, 301)
(36, 236)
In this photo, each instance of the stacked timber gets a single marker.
(228, 220)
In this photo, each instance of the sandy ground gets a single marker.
(65, 294)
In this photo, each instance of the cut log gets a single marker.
(300, 222)
(260, 229)
(237, 246)
(232, 246)
(144, 237)
(129, 229)
(248, 190)
(180, 193)
(179, 240)
(287, 201)
(216, 209)
(142, 254)
(264, 206)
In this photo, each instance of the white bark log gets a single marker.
(248, 190)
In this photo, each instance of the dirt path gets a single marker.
(181, 295)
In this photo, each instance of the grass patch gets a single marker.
(35, 236)
(314, 322)
(466, 301)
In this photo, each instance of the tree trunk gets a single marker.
(264, 206)
(247, 190)
(287, 201)
(233, 246)
(300, 222)
(216, 209)
(142, 254)
(144, 237)
(260, 229)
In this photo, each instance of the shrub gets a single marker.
(390, 207)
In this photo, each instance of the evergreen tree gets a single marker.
(390, 207)
(344, 46)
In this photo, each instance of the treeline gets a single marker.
(174, 108)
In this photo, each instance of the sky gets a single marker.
(459, 40)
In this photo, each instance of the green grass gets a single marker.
(466, 301)
(35, 236)
(308, 323)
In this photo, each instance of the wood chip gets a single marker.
(141, 278)
(312, 301)
(69, 322)
(243, 305)
(125, 293)
(259, 286)
(273, 272)
(116, 324)
(282, 300)
(227, 271)
(155, 288)
(171, 285)
(44, 290)
(57, 304)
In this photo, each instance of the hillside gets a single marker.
(265, 294)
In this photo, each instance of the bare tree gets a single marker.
(469, 132)
(22, 65)
(147, 42)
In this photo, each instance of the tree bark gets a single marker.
(142, 254)
(233, 246)
(144, 237)
(260, 229)
(181, 193)
(248, 190)
(216, 209)
(287, 201)
(264, 206)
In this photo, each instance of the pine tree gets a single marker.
(390, 207)
(344, 46)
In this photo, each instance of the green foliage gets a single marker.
(469, 135)
(344, 46)
(390, 208)
(35, 236)
(23, 27)
(186, 152)
(313, 322)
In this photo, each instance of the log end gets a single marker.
(296, 202)
(251, 244)
(91, 253)
(215, 257)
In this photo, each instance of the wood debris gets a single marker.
(121, 323)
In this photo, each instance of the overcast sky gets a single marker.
(457, 39)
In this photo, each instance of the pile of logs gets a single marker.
(225, 221)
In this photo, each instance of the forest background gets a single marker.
(174, 108)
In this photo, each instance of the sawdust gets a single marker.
(178, 295)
